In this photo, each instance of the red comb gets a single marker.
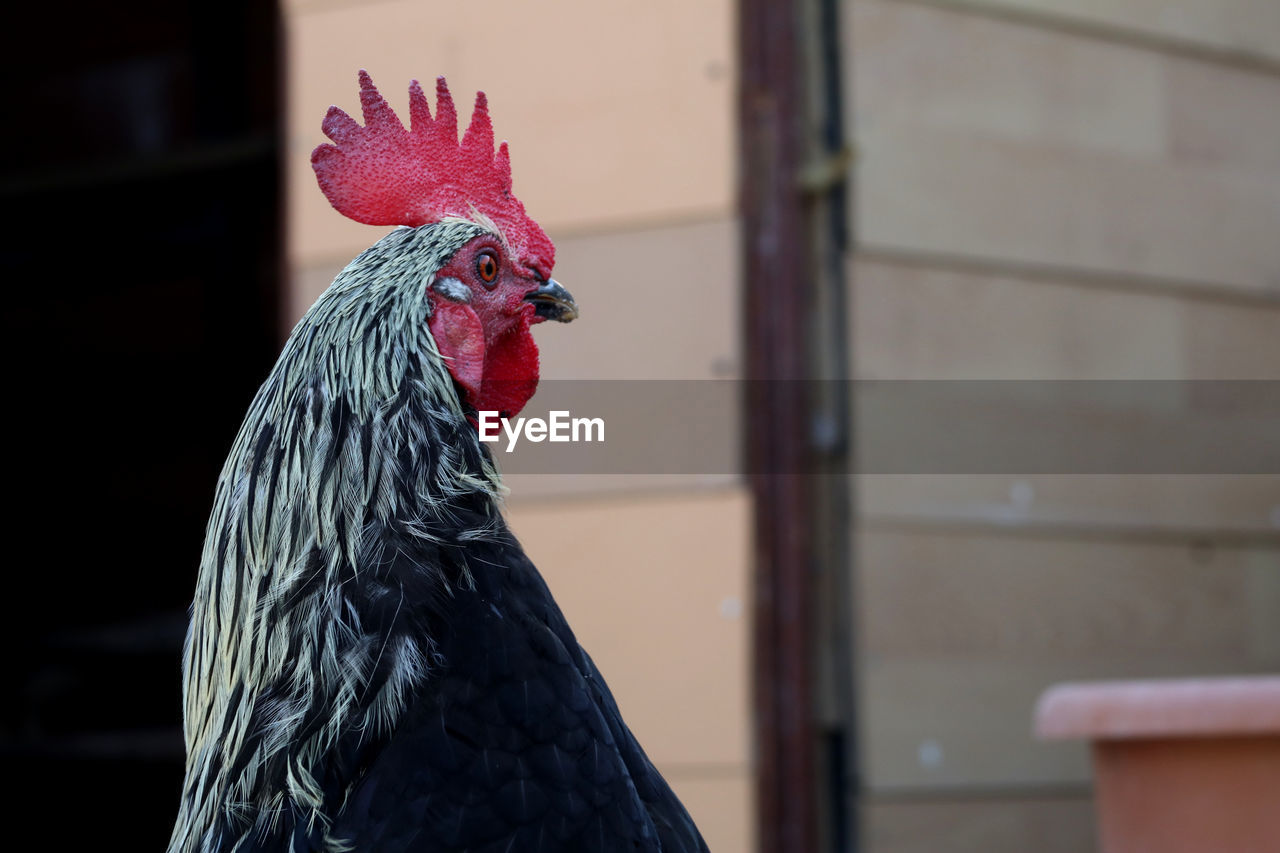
(382, 174)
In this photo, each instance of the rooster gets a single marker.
(373, 664)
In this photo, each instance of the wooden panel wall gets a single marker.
(963, 629)
(986, 139)
(620, 122)
(1050, 190)
(1241, 31)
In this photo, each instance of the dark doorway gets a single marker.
(141, 261)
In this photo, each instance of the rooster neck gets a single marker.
(355, 452)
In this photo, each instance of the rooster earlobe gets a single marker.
(460, 338)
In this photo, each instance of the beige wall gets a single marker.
(1053, 190)
(619, 117)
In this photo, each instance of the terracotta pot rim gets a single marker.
(1158, 708)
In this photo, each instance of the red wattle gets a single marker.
(514, 358)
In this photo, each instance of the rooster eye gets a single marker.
(487, 267)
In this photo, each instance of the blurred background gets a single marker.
(1020, 189)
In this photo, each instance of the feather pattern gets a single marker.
(358, 429)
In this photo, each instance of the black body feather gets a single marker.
(514, 742)
(517, 745)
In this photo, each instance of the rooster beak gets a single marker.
(553, 302)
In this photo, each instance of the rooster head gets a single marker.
(484, 299)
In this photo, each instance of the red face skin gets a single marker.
(486, 340)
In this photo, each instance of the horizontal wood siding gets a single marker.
(1050, 190)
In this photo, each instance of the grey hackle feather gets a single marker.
(323, 453)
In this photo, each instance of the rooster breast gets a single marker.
(517, 744)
